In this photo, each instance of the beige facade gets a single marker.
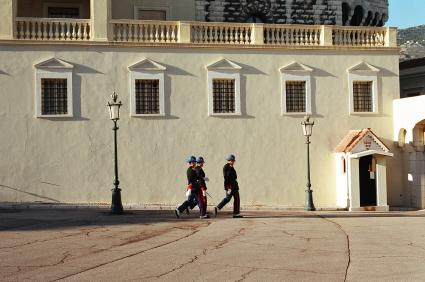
(70, 159)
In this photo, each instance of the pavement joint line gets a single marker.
(130, 255)
(348, 242)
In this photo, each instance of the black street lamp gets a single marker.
(114, 115)
(308, 130)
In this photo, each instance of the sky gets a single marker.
(406, 13)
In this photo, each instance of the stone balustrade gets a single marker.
(144, 31)
(52, 29)
(287, 35)
(221, 33)
(359, 37)
(206, 33)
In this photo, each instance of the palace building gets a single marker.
(210, 78)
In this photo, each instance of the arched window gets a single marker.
(375, 19)
(368, 19)
(345, 13)
(382, 20)
(357, 18)
(255, 18)
(402, 138)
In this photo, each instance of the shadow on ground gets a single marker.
(56, 218)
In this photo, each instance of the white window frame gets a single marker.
(166, 9)
(364, 78)
(296, 72)
(44, 71)
(363, 72)
(291, 77)
(147, 69)
(224, 69)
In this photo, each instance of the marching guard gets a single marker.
(231, 187)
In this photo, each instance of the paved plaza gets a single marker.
(88, 244)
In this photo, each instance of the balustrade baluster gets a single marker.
(50, 31)
(62, 31)
(32, 24)
(44, 30)
(77, 31)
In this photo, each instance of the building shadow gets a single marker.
(29, 219)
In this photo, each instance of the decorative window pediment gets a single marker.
(296, 89)
(147, 89)
(224, 88)
(224, 64)
(296, 67)
(147, 65)
(54, 64)
(363, 67)
(53, 89)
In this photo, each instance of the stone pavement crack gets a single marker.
(85, 232)
(246, 274)
(192, 260)
(227, 240)
(348, 242)
(204, 253)
(272, 268)
(130, 255)
(21, 267)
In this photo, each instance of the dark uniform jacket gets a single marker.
(230, 177)
(192, 178)
(201, 176)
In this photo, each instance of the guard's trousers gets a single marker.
(193, 198)
(236, 201)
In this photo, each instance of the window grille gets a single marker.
(147, 96)
(63, 12)
(54, 100)
(362, 95)
(223, 96)
(152, 15)
(296, 96)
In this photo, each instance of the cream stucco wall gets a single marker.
(183, 10)
(71, 160)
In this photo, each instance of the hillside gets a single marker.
(412, 42)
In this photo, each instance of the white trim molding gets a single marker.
(367, 73)
(296, 72)
(224, 69)
(53, 68)
(146, 69)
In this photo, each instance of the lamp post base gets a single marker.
(309, 205)
(116, 207)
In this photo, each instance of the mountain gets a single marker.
(412, 42)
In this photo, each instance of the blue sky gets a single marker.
(406, 13)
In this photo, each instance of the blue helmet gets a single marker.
(191, 159)
(200, 160)
(231, 158)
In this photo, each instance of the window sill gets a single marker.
(226, 115)
(297, 114)
(55, 116)
(364, 113)
(146, 115)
